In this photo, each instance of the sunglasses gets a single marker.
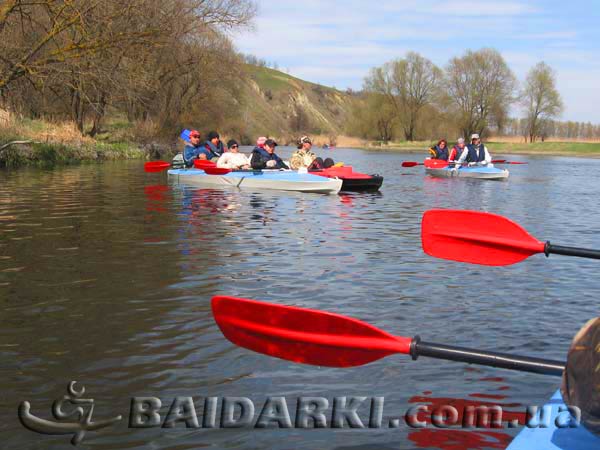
(234, 146)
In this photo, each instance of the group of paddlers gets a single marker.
(263, 155)
(472, 154)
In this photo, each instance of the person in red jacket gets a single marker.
(457, 150)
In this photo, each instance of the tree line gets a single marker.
(412, 99)
(164, 62)
(169, 64)
(554, 129)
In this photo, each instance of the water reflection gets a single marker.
(106, 275)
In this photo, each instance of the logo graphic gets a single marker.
(78, 428)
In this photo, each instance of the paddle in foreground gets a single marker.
(325, 339)
(483, 238)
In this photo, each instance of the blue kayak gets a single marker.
(259, 180)
(553, 437)
(482, 173)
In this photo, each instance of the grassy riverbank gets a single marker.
(582, 149)
(39, 143)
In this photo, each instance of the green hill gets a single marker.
(277, 104)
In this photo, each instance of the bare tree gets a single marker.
(155, 59)
(540, 99)
(408, 85)
(481, 86)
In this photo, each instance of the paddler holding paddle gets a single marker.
(192, 149)
(441, 151)
(476, 154)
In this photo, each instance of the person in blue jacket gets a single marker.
(192, 149)
(265, 158)
(475, 154)
(213, 147)
(440, 151)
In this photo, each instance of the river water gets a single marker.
(106, 275)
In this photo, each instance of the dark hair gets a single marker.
(231, 143)
(444, 141)
(212, 135)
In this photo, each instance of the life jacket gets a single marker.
(455, 153)
(441, 153)
(212, 150)
(472, 156)
(260, 156)
(191, 152)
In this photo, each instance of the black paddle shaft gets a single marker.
(493, 359)
(571, 251)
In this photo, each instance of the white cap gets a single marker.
(474, 136)
(460, 141)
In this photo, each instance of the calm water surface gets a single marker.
(106, 275)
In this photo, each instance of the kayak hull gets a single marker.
(554, 438)
(352, 181)
(260, 180)
(373, 183)
(480, 173)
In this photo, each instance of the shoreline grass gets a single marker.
(48, 144)
(41, 143)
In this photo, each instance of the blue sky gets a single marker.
(336, 42)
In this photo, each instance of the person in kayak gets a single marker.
(440, 151)
(213, 147)
(265, 158)
(457, 150)
(475, 154)
(260, 142)
(233, 159)
(305, 158)
(192, 149)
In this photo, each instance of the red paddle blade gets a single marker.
(202, 163)
(156, 166)
(216, 170)
(303, 335)
(410, 164)
(435, 163)
(516, 162)
(476, 237)
(498, 161)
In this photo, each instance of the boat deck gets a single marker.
(554, 438)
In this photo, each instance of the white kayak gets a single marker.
(435, 169)
(561, 433)
(260, 179)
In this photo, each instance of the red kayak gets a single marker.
(352, 181)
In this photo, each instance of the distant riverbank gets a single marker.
(577, 149)
(27, 142)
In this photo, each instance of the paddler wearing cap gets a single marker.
(265, 157)
(475, 154)
(305, 158)
(192, 149)
(213, 147)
